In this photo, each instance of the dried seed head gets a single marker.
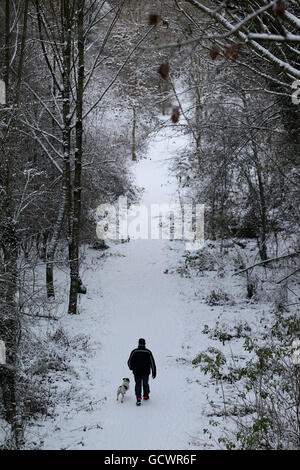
(164, 70)
(214, 51)
(175, 115)
(153, 19)
(279, 9)
(233, 51)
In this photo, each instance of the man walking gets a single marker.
(141, 361)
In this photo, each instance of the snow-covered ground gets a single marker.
(134, 290)
(130, 295)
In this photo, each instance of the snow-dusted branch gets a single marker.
(277, 258)
(118, 72)
(251, 38)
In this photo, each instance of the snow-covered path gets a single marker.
(130, 296)
(141, 301)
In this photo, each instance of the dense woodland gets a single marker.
(83, 84)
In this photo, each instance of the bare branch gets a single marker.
(291, 255)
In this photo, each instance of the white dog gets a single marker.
(123, 389)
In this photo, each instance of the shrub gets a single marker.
(219, 297)
(266, 385)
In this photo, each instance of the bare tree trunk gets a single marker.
(213, 218)
(75, 282)
(7, 47)
(263, 216)
(9, 319)
(43, 251)
(67, 24)
(50, 253)
(23, 42)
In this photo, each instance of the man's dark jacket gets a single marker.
(141, 361)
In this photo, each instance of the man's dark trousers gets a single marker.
(139, 380)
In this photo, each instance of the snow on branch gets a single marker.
(290, 255)
(263, 22)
